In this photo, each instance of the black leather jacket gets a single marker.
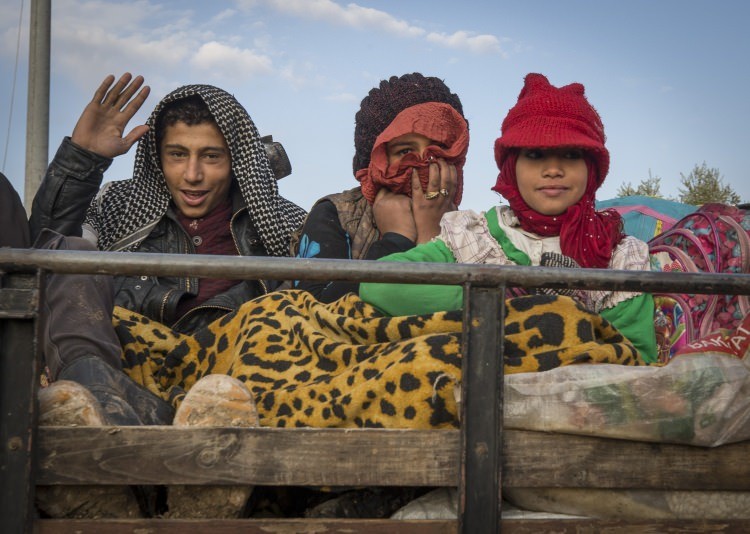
(73, 179)
(14, 227)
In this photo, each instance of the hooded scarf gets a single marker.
(437, 121)
(392, 96)
(124, 212)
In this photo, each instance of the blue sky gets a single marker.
(670, 78)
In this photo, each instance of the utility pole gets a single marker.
(37, 111)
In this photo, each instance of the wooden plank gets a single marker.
(19, 379)
(18, 303)
(382, 526)
(262, 456)
(14, 279)
(270, 456)
(661, 526)
(538, 459)
(610, 526)
(480, 493)
(244, 526)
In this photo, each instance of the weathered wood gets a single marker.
(19, 379)
(268, 456)
(538, 459)
(165, 455)
(18, 303)
(480, 468)
(383, 526)
(660, 526)
(19, 296)
(245, 526)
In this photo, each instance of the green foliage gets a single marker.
(701, 186)
(649, 187)
(704, 185)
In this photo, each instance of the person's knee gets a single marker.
(51, 240)
(113, 388)
(90, 370)
(77, 243)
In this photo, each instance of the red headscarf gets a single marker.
(436, 121)
(549, 117)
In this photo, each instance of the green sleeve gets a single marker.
(415, 299)
(634, 318)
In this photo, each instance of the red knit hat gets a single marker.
(547, 117)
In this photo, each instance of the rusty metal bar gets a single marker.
(245, 267)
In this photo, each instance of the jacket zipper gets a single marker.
(190, 312)
(191, 248)
(188, 246)
(164, 304)
(188, 286)
(263, 285)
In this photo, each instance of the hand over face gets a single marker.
(101, 126)
(418, 217)
(429, 206)
(392, 212)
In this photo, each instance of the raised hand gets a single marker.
(101, 126)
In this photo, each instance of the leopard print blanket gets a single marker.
(346, 365)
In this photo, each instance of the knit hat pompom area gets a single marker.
(385, 102)
(548, 117)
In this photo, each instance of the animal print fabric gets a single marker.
(344, 364)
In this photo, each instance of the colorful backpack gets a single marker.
(713, 239)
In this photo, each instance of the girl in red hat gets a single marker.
(552, 160)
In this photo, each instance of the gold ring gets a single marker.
(431, 195)
(444, 192)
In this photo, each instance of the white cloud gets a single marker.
(351, 15)
(478, 44)
(227, 14)
(300, 74)
(343, 97)
(121, 16)
(230, 61)
(94, 51)
(93, 38)
(356, 16)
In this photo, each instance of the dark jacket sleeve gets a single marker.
(14, 227)
(72, 180)
(324, 237)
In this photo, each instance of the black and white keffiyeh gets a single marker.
(124, 212)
